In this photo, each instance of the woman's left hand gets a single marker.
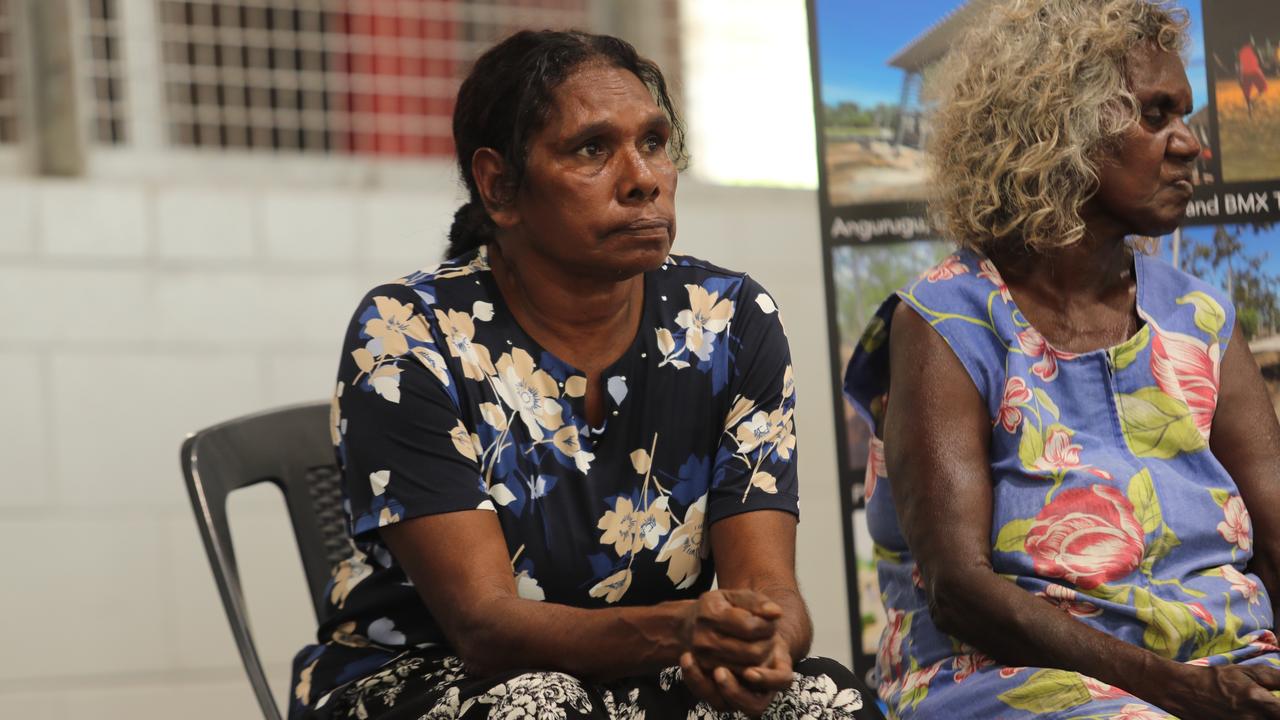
(750, 692)
(775, 673)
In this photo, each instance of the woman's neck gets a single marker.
(1092, 268)
(586, 321)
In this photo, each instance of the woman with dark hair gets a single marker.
(555, 440)
(1073, 434)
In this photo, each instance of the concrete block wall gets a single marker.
(134, 312)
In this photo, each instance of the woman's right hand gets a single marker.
(730, 628)
(1225, 692)
(723, 633)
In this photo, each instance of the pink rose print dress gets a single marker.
(1108, 503)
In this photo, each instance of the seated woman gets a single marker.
(1074, 432)
(554, 441)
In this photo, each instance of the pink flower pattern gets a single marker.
(1137, 711)
(1107, 537)
(889, 655)
(966, 664)
(1059, 452)
(1187, 369)
(1099, 690)
(1088, 536)
(1061, 455)
(987, 271)
(1241, 583)
(1016, 394)
(1069, 601)
(1236, 528)
(1202, 614)
(1033, 344)
(875, 467)
(947, 269)
(1265, 642)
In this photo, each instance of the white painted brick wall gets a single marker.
(204, 224)
(17, 219)
(70, 303)
(23, 427)
(80, 221)
(90, 598)
(311, 225)
(132, 313)
(407, 228)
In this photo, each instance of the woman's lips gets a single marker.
(644, 227)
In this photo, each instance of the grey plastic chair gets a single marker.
(291, 448)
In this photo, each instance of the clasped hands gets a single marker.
(735, 658)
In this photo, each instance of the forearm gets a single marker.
(1019, 629)
(510, 633)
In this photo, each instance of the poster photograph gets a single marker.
(1244, 261)
(865, 275)
(1242, 44)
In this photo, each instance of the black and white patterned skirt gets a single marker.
(430, 684)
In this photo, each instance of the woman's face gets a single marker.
(599, 189)
(1144, 187)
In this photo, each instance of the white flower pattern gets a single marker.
(439, 344)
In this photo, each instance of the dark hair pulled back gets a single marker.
(507, 98)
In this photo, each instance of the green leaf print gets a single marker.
(1161, 548)
(881, 553)
(1030, 446)
(919, 690)
(1048, 691)
(1123, 355)
(874, 336)
(1170, 625)
(1013, 536)
(1116, 594)
(1046, 402)
(1209, 314)
(1157, 425)
(1146, 506)
(1226, 640)
(1220, 496)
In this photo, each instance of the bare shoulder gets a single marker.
(918, 353)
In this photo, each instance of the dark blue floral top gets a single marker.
(444, 404)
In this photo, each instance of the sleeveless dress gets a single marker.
(1107, 502)
(443, 404)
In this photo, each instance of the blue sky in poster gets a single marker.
(857, 37)
(1256, 242)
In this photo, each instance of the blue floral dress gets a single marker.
(444, 404)
(1107, 502)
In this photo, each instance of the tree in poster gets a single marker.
(1241, 271)
(866, 275)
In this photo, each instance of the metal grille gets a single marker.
(106, 72)
(366, 77)
(324, 487)
(8, 76)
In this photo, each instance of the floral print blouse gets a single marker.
(1107, 502)
(444, 404)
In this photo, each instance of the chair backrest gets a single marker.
(291, 448)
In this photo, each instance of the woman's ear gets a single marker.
(495, 186)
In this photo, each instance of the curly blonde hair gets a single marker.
(1027, 106)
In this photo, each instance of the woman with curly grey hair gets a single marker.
(1073, 488)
